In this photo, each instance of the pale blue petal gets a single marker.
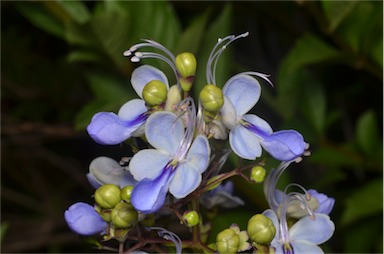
(316, 231)
(131, 109)
(84, 220)
(243, 91)
(106, 170)
(228, 114)
(92, 180)
(148, 163)
(127, 180)
(221, 196)
(305, 247)
(199, 153)
(273, 216)
(148, 196)
(165, 131)
(186, 180)
(260, 126)
(244, 143)
(284, 145)
(143, 75)
(326, 203)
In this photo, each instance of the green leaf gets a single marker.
(3, 230)
(337, 11)
(75, 9)
(83, 56)
(364, 202)
(367, 132)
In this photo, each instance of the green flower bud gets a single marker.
(125, 193)
(258, 174)
(186, 64)
(104, 213)
(107, 196)
(261, 229)
(124, 215)
(212, 98)
(191, 217)
(227, 241)
(155, 92)
(214, 179)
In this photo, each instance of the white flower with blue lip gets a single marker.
(175, 164)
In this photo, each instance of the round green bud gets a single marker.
(227, 241)
(212, 98)
(155, 92)
(261, 229)
(191, 217)
(258, 174)
(105, 214)
(124, 215)
(125, 193)
(107, 196)
(186, 64)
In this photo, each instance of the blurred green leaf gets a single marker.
(83, 56)
(364, 202)
(367, 132)
(337, 11)
(75, 9)
(4, 227)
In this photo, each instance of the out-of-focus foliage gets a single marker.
(62, 62)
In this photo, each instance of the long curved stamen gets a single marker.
(214, 56)
(170, 236)
(190, 111)
(260, 75)
(305, 192)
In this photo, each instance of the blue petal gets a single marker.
(244, 143)
(143, 75)
(305, 247)
(199, 153)
(315, 231)
(84, 220)
(258, 125)
(148, 163)
(284, 145)
(186, 180)
(164, 131)
(243, 91)
(326, 203)
(228, 114)
(132, 109)
(148, 196)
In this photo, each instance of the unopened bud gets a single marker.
(212, 99)
(261, 229)
(125, 193)
(227, 241)
(191, 217)
(186, 67)
(155, 92)
(173, 97)
(104, 213)
(124, 215)
(258, 174)
(107, 196)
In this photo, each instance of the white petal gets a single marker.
(305, 247)
(132, 109)
(199, 153)
(144, 74)
(186, 180)
(316, 231)
(244, 143)
(148, 163)
(165, 131)
(106, 170)
(228, 114)
(243, 91)
(259, 123)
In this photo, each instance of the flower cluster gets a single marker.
(189, 140)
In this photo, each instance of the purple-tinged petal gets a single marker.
(148, 196)
(186, 180)
(228, 114)
(92, 180)
(243, 91)
(165, 131)
(284, 145)
(127, 180)
(315, 231)
(84, 220)
(257, 125)
(132, 109)
(326, 203)
(199, 153)
(305, 247)
(148, 163)
(244, 143)
(143, 75)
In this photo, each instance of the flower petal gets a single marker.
(84, 220)
(284, 145)
(164, 130)
(306, 247)
(243, 91)
(148, 196)
(144, 74)
(186, 180)
(258, 125)
(315, 231)
(228, 114)
(326, 203)
(244, 143)
(132, 109)
(199, 153)
(106, 170)
(273, 216)
(148, 163)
